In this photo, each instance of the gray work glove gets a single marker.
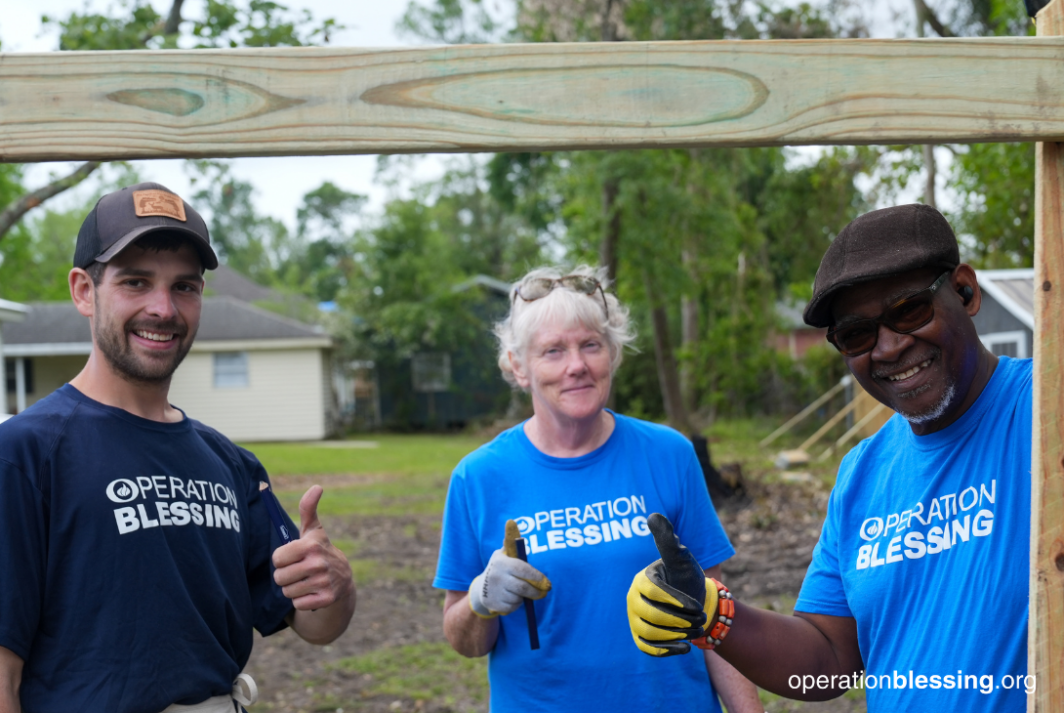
(502, 586)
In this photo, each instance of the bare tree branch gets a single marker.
(28, 202)
(14, 212)
(171, 26)
(926, 14)
(173, 21)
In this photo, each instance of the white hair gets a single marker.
(565, 308)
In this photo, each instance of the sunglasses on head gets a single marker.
(904, 317)
(538, 287)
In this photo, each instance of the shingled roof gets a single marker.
(224, 319)
(1013, 289)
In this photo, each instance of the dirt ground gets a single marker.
(774, 531)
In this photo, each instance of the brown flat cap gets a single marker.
(885, 242)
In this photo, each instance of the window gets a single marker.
(230, 370)
(11, 378)
(1010, 344)
(431, 371)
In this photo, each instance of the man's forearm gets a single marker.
(769, 648)
(467, 633)
(10, 680)
(323, 626)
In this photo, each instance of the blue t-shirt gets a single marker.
(584, 520)
(135, 561)
(926, 545)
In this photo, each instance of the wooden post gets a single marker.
(1046, 629)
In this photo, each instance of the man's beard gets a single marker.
(113, 342)
(935, 412)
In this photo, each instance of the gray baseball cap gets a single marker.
(121, 217)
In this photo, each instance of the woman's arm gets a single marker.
(10, 679)
(468, 634)
(737, 693)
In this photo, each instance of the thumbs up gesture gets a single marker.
(507, 581)
(668, 602)
(311, 571)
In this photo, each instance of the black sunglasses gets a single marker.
(536, 288)
(904, 317)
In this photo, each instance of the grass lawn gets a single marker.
(403, 474)
(408, 474)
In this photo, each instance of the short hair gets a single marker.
(161, 241)
(516, 331)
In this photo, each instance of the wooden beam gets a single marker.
(1045, 656)
(292, 101)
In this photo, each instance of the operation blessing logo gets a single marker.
(961, 516)
(202, 503)
(601, 522)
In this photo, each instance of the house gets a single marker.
(251, 374)
(796, 337)
(9, 312)
(1005, 321)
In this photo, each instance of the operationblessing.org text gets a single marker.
(960, 681)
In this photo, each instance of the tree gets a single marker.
(135, 24)
(993, 182)
(700, 242)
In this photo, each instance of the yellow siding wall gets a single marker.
(49, 373)
(282, 402)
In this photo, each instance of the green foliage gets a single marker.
(411, 263)
(248, 242)
(36, 255)
(319, 262)
(995, 216)
(259, 23)
(802, 210)
(129, 25)
(449, 22)
(134, 24)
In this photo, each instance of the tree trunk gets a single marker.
(924, 15)
(668, 375)
(689, 340)
(611, 236)
(929, 166)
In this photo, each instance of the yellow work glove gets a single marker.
(669, 602)
(502, 586)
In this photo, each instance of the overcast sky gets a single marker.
(281, 182)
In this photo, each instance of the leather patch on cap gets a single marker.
(156, 202)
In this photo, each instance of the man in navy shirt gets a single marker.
(917, 590)
(138, 550)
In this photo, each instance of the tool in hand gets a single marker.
(530, 606)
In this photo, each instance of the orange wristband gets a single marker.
(722, 622)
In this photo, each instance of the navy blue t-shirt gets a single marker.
(135, 558)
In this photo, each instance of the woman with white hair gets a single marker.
(579, 482)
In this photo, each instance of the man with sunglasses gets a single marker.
(917, 591)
